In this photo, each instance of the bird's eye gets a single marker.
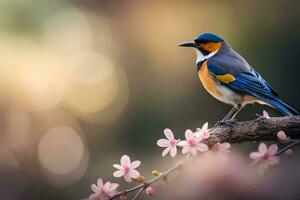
(204, 41)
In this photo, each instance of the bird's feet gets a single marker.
(230, 122)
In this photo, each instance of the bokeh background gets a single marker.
(83, 82)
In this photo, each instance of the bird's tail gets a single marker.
(281, 106)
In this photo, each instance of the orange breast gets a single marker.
(207, 81)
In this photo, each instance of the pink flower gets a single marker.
(220, 151)
(265, 156)
(202, 132)
(103, 191)
(266, 114)
(170, 143)
(127, 169)
(282, 136)
(192, 144)
(221, 147)
(150, 191)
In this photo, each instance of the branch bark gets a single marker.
(260, 129)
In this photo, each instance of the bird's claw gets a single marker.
(226, 123)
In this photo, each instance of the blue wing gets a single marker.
(247, 82)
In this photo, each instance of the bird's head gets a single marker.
(206, 45)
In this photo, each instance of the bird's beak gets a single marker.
(188, 44)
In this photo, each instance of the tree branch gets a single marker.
(260, 129)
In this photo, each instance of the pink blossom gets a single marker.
(103, 191)
(220, 151)
(170, 143)
(282, 136)
(127, 169)
(265, 156)
(266, 114)
(192, 144)
(221, 147)
(150, 191)
(203, 132)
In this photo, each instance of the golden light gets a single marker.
(63, 155)
(95, 84)
(33, 76)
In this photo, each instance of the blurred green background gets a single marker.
(83, 82)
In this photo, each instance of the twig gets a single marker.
(138, 193)
(294, 143)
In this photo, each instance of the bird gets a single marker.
(228, 77)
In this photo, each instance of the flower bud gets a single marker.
(282, 136)
(289, 152)
(140, 179)
(150, 191)
(155, 173)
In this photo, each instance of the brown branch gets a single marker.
(260, 129)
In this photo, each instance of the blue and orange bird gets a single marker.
(228, 77)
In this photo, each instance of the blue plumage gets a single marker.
(209, 37)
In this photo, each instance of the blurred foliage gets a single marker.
(104, 78)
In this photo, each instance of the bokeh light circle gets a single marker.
(95, 83)
(61, 153)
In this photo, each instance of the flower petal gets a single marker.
(117, 166)
(202, 147)
(125, 160)
(273, 160)
(163, 143)
(262, 167)
(113, 186)
(189, 134)
(94, 188)
(266, 114)
(255, 155)
(118, 173)
(166, 151)
(135, 164)
(127, 178)
(100, 182)
(273, 149)
(169, 134)
(204, 127)
(106, 186)
(95, 196)
(133, 173)
(185, 149)
(205, 135)
(173, 151)
(262, 148)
